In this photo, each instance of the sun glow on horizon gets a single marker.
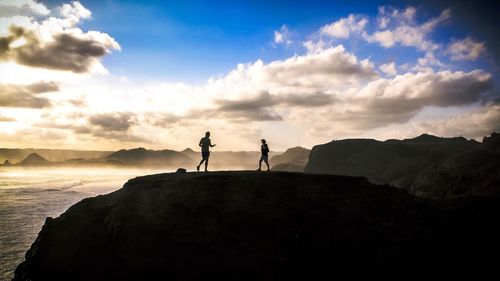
(71, 78)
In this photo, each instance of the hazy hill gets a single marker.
(15, 155)
(264, 226)
(293, 160)
(142, 156)
(35, 160)
(426, 165)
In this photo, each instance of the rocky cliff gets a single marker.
(262, 226)
(293, 160)
(427, 165)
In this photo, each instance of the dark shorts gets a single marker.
(264, 158)
(205, 154)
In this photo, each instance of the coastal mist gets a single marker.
(30, 194)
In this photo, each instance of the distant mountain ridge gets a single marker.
(149, 157)
(16, 155)
(34, 159)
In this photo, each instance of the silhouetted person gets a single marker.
(205, 144)
(264, 149)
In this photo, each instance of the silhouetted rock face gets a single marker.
(492, 141)
(426, 165)
(34, 159)
(149, 157)
(292, 160)
(261, 226)
(473, 172)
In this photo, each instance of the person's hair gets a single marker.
(263, 140)
(207, 133)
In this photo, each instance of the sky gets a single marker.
(107, 75)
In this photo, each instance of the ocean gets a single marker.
(29, 195)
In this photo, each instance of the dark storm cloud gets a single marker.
(116, 121)
(26, 96)
(67, 51)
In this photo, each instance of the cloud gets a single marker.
(260, 107)
(6, 119)
(477, 123)
(344, 27)
(57, 44)
(24, 8)
(399, 27)
(329, 67)
(398, 100)
(314, 47)
(116, 121)
(466, 49)
(388, 68)
(282, 36)
(26, 96)
(166, 119)
(109, 126)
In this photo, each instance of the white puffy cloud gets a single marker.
(313, 47)
(475, 123)
(56, 43)
(399, 27)
(389, 68)
(388, 103)
(344, 27)
(10, 8)
(282, 36)
(465, 49)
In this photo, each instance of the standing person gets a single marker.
(205, 144)
(264, 149)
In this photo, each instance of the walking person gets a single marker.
(205, 144)
(264, 149)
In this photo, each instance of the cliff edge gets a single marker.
(262, 226)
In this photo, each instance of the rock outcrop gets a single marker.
(292, 160)
(264, 226)
(427, 165)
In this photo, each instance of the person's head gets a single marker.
(207, 134)
(263, 141)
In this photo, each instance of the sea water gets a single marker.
(29, 195)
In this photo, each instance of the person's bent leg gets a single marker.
(267, 163)
(199, 165)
